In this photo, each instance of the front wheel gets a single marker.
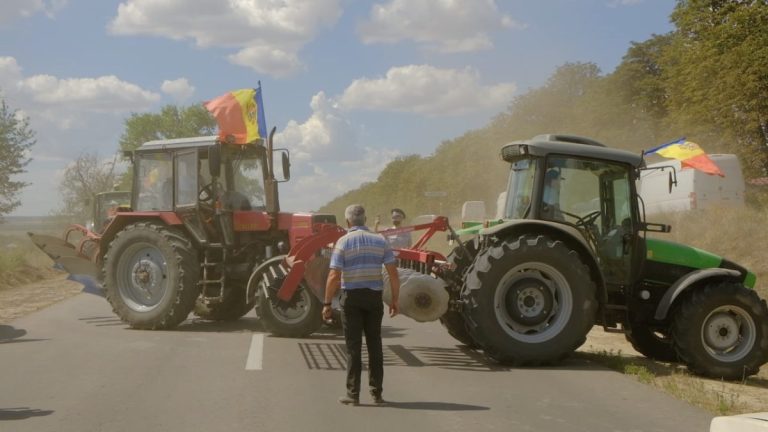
(299, 317)
(530, 300)
(721, 331)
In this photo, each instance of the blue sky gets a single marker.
(348, 84)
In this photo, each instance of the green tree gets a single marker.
(87, 176)
(16, 138)
(716, 79)
(171, 122)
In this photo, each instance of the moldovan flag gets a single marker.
(689, 154)
(239, 113)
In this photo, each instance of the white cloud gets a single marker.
(10, 73)
(179, 89)
(326, 157)
(12, 9)
(326, 135)
(426, 90)
(443, 25)
(267, 60)
(102, 94)
(69, 116)
(268, 34)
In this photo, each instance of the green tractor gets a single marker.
(571, 252)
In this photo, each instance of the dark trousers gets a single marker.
(362, 311)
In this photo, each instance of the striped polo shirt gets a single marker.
(359, 256)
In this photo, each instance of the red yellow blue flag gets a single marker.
(689, 154)
(239, 113)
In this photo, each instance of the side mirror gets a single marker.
(214, 160)
(285, 165)
(672, 179)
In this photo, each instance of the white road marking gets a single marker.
(256, 353)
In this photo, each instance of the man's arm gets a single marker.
(394, 281)
(332, 285)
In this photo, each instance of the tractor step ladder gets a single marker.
(212, 265)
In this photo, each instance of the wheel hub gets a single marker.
(722, 331)
(146, 273)
(529, 301)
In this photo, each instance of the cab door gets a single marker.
(186, 203)
(617, 246)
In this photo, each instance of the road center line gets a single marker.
(256, 353)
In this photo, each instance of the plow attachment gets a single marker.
(65, 254)
(424, 294)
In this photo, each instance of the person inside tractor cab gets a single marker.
(550, 198)
(111, 212)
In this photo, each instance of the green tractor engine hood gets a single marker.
(667, 252)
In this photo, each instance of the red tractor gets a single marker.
(203, 233)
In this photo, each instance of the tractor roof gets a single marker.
(178, 143)
(568, 145)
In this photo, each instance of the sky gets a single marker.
(349, 84)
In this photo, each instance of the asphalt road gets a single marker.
(76, 367)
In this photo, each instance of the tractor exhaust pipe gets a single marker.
(273, 204)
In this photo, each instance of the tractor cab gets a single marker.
(588, 188)
(173, 174)
(205, 182)
(105, 207)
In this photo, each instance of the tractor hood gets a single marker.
(683, 256)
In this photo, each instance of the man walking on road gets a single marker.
(356, 269)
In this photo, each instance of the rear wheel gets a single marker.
(298, 317)
(530, 301)
(150, 276)
(721, 331)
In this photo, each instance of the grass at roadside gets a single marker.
(21, 262)
(715, 396)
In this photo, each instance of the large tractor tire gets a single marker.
(150, 276)
(454, 321)
(721, 331)
(299, 317)
(456, 326)
(653, 344)
(231, 308)
(530, 301)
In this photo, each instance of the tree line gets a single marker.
(707, 80)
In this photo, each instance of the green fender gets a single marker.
(686, 282)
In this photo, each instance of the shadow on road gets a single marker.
(10, 334)
(333, 356)
(336, 333)
(246, 324)
(430, 406)
(22, 413)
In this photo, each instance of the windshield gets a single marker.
(245, 181)
(520, 188)
(154, 182)
(592, 195)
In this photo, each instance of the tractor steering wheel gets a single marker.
(206, 193)
(584, 221)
